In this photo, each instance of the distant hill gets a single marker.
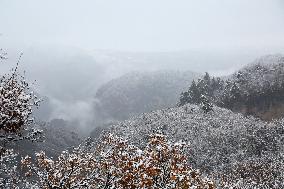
(139, 92)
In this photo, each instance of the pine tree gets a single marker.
(184, 98)
(206, 106)
(190, 96)
(235, 93)
(194, 93)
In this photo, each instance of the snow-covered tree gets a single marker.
(265, 172)
(205, 104)
(17, 101)
(205, 86)
(8, 173)
(115, 163)
(183, 99)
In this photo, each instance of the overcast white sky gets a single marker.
(144, 25)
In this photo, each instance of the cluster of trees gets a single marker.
(223, 93)
(206, 86)
(115, 163)
(255, 87)
(254, 173)
(202, 92)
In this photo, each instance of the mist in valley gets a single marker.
(99, 64)
(62, 43)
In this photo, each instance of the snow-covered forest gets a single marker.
(141, 94)
(202, 140)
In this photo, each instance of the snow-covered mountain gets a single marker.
(221, 141)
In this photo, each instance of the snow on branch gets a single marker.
(115, 163)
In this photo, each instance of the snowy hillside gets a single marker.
(257, 89)
(262, 73)
(221, 141)
(261, 87)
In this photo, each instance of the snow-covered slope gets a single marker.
(220, 139)
(257, 89)
(139, 92)
(262, 85)
(262, 73)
